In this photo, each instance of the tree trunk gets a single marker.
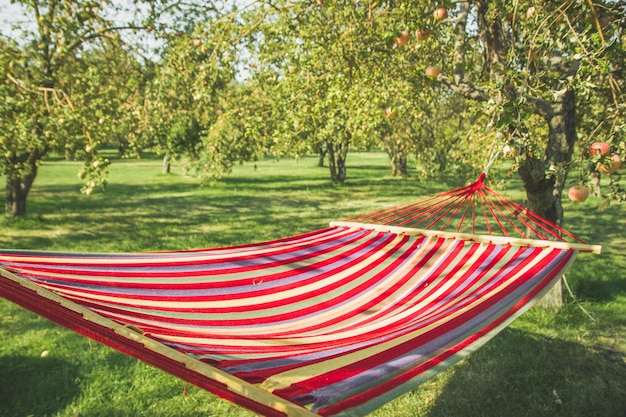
(442, 159)
(342, 171)
(18, 186)
(321, 156)
(397, 152)
(398, 164)
(166, 165)
(337, 154)
(544, 191)
(15, 202)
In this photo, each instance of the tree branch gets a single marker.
(464, 88)
(543, 107)
(459, 84)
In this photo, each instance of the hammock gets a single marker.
(335, 322)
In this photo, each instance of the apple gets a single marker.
(433, 71)
(440, 13)
(389, 112)
(601, 147)
(615, 164)
(531, 12)
(422, 34)
(197, 42)
(291, 68)
(403, 38)
(578, 193)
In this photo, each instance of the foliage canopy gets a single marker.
(443, 86)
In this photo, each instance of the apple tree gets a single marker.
(542, 80)
(67, 86)
(549, 76)
(310, 56)
(348, 74)
(542, 66)
(195, 104)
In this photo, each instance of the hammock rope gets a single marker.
(451, 209)
(334, 322)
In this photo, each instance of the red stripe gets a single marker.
(77, 323)
(273, 304)
(211, 284)
(382, 388)
(353, 369)
(156, 259)
(219, 267)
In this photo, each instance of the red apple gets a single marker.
(422, 34)
(433, 71)
(578, 193)
(197, 42)
(440, 13)
(390, 112)
(615, 164)
(403, 38)
(601, 147)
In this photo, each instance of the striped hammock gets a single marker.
(335, 322)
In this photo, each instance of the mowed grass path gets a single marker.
(546, 364)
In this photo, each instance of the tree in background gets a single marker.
(67, 85)
(351, 74)
(75, 78)
(317, 53)
(198, 112)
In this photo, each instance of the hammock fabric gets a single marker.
(335, 322)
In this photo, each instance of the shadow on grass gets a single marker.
(521, 374)
(36, 386)
(169, 212)
(597, 280)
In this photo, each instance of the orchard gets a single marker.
(440, 86)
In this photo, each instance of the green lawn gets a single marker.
(545, 364)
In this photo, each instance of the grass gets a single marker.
(546, 364)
